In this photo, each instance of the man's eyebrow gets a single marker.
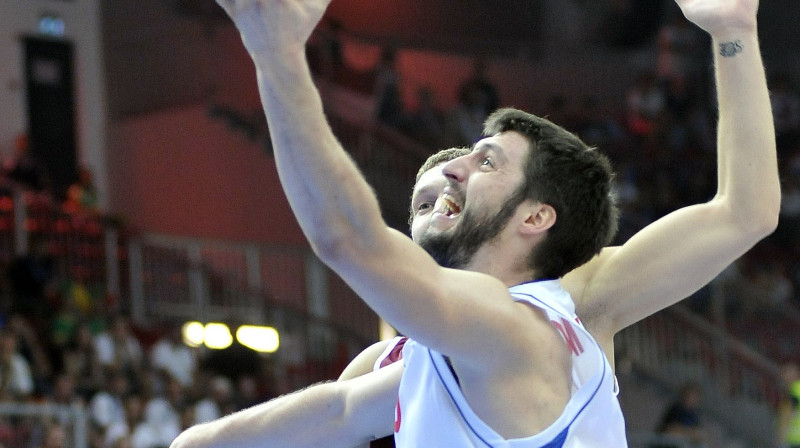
(424, 190)
(488, 146)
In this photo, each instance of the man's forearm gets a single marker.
(330, 198)
(311, 417)
(327, 192)
(748, 167)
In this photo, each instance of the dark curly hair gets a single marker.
(575, 179)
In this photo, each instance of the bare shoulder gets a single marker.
(364, 362)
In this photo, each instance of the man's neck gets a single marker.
(503, 267)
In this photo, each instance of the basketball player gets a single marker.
(553, 385)
(680, 253)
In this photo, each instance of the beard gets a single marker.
(457, 248)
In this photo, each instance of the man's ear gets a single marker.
(539, 219)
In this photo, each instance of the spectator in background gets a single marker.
(477, 98)
(426, 122)
(788, 434)
(118, 349)
(24, 169)
(247, 393)
(464, 124)
(681, 420)
(678, 43)
(64, 392)
(680, 96)
(218, 403)
(32, 349)
(75, 291)
(325, 51)
(79, 360)
(82, 195)
(55, 436)
(170, 355)
(644, 105)
(140, 432)
(123, 441)
(107, 406)
(479, 82)
(388, 103)
(16, 380)
(165, 411)
(187, 418)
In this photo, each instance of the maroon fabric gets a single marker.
(395, 355)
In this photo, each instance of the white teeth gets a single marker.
(451, 207)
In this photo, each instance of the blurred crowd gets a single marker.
(65, 342)
(137, 387)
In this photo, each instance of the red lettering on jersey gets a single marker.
(397, 416)
(570, 337)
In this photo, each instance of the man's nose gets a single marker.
(456, 169)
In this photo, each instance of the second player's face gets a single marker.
(427, 192)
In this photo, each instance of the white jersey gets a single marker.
(432, 411)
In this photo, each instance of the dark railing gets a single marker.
(675, 346)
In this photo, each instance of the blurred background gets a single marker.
(152, 275)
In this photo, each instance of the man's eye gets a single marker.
(425, 206)
(487, 162)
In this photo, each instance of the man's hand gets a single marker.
(270, 27)
(719, 17)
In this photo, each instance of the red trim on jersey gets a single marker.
(395, 355)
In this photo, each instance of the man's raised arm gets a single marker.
(678, 254)
(325, 189)
(338, 211)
